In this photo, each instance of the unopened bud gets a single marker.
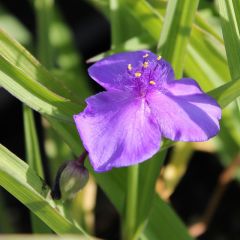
(70, 179)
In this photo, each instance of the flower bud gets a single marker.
(70, 179)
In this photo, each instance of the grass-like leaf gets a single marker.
(176, 32)
(23, 183)
(229, 12)
(33, 93)
(34, 160)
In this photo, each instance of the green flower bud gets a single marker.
(71, 178)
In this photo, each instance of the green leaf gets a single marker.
(34, 159)
(33, 155)
(149, 172)
(226, 93)
(164, 223)
(229, 13)
(23, 183)
(18, 56)
(176, 32)
(116, 24)
(44, 14)
(35, 94)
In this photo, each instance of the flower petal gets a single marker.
(184, 87)
(112, 72)
(185, 113)
(117, 130)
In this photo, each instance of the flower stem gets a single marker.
(44, 15)
(131, 203)
(115, 23)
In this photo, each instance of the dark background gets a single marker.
(92, 36)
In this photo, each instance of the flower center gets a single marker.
(145, 77)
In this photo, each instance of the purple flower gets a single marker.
(143, 103)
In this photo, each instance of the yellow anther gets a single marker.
(129, 67)
(152, 82)
(145, 64)
(146, 55)
(159, 57)
(138, 74)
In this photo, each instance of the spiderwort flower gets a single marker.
(143, 103)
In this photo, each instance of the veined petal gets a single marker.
(184, 87)
(185, 114)
(117, 130)
(114, 72)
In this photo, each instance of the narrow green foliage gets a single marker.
(35, 94)
(130, 219)
(231, 34)
(44, 14)
(22, 182)
(18, 56)
(164, 224)
(227, 93)
(149, 172)
(33, 158)
(176, 31)
(116, 25)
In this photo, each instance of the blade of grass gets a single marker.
(164, 223)
(226, 93)
(130, 216)
(116, 25)
(34, 94)
(22, 182)
(44, 16)
(33, 158)
(17, 55)
(149, 172)
(231, 34)
(176, 31)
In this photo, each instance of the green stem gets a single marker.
(31, 141)
(131, 203)
(115, 23)
(43, 11)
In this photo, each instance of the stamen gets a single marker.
(129, 67)
(138, 74)
(146, 55)
(159, 57)
(152, 82)
(145, 64)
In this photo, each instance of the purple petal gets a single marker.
(184, 87)
(184, 112)
(112, 72)
(117, 130)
